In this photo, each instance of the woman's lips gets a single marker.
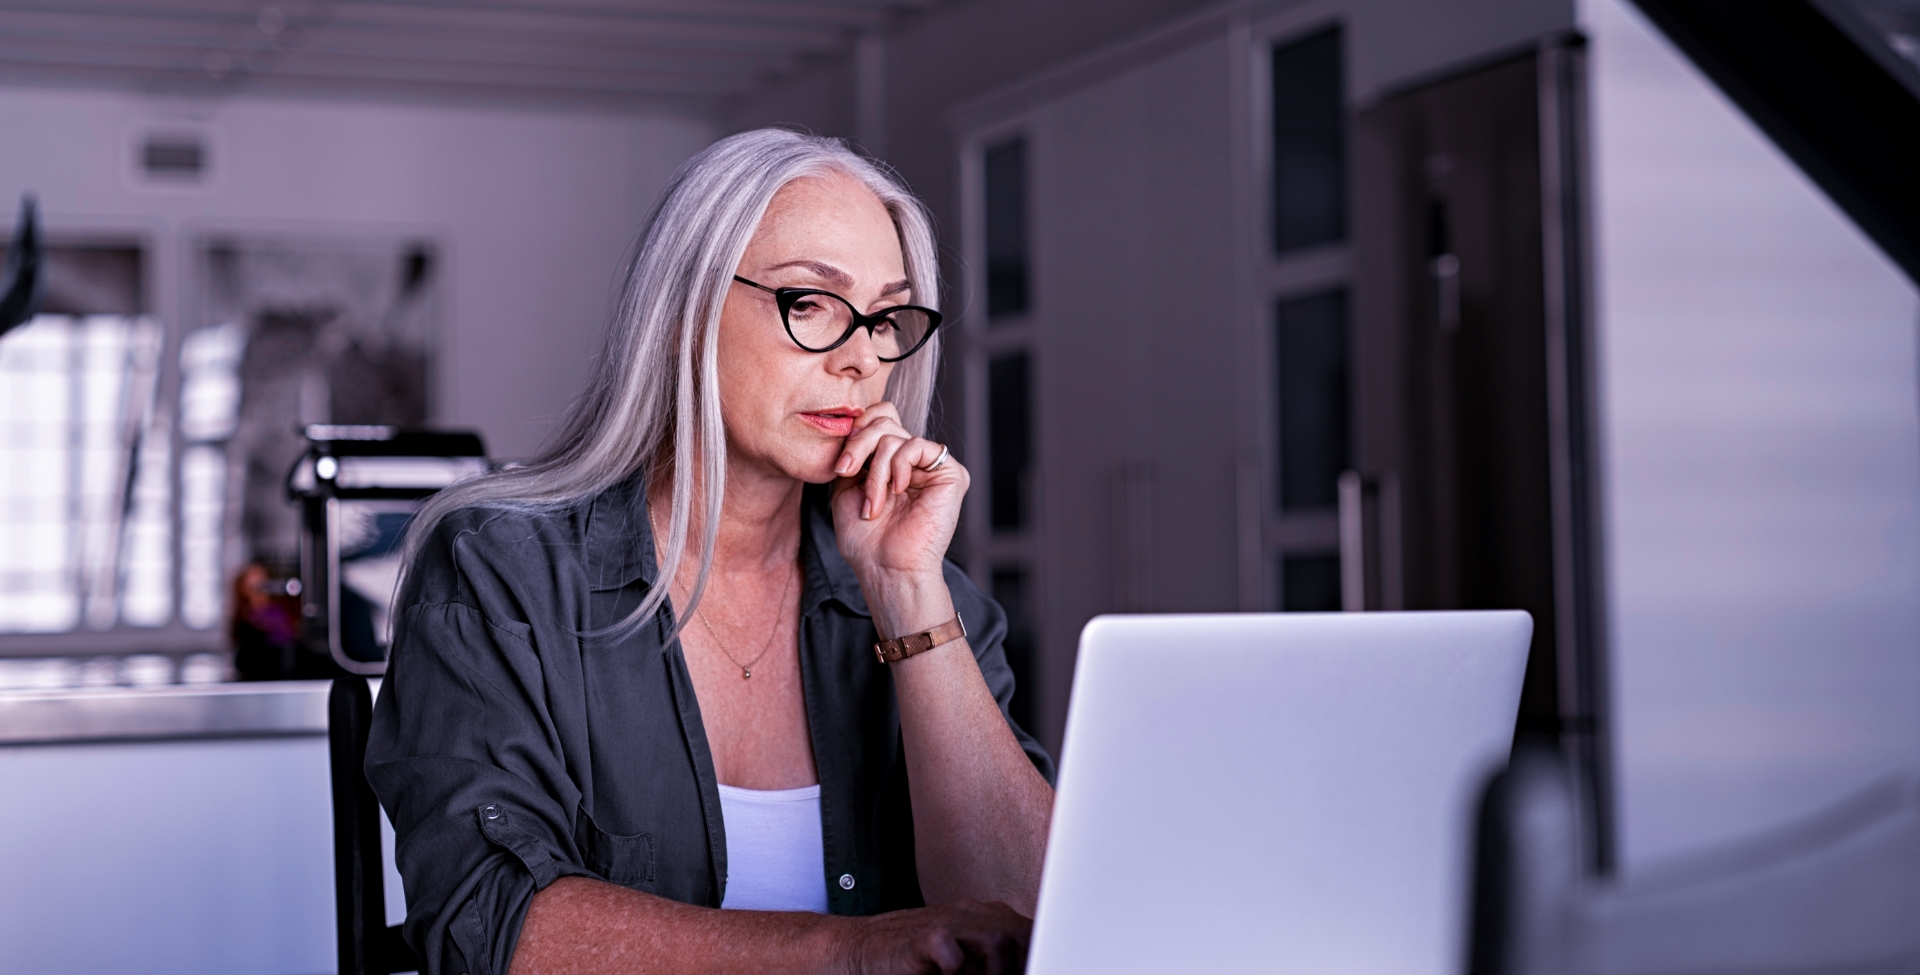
(834, 423)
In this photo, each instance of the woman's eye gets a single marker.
(885, 326)
(805, 306)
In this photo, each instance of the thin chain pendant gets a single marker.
(746, 672)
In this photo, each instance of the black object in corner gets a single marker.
(25, 283)
(367, 945)
(1835, 891)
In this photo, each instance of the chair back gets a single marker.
(1836, 892)
(367, 945)
(1526, 868)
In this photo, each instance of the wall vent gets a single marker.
(174, 157)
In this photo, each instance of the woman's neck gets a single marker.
(759, 523)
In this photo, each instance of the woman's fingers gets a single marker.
(879, 421)
(943, 949)
(899, 463)
(994, 937)
(880, 475)
(968, 936)
(895, 460)
(918, 455)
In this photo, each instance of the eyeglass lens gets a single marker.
(817, 321)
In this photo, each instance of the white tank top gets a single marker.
(775, 857)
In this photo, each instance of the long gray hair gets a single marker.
(654, 396)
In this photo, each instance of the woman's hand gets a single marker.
(980, 809)
(964, 936)
(893, 516)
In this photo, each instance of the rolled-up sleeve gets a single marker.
(467, 760)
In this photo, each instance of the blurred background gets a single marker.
(1598, 309)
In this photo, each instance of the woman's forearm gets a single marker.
(579, 926)
(980, 809)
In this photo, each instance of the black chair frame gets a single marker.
(367, 945)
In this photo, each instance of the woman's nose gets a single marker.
(857, 354)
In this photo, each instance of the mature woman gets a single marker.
(695, 689)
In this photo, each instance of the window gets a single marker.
(129, 502)
(999, 361)
(1309, 422)
(1310, 583)
(1309, 143)
(209, 412)
(1009, 439)
(1006, 198)
(83, 452)
(1310, 336)
(76, 464)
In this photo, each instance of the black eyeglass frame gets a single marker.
(784, 299)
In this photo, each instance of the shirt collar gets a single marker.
(619, 537)
(620, 547)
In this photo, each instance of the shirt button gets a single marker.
(490, 811)
(846, 881)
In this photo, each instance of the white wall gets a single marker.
(1763, 438)
(533, 210)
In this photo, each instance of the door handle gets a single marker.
(1353, 542)
(1445, 269)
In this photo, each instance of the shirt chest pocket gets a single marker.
(625, 860)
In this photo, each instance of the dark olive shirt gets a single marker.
(511, 750)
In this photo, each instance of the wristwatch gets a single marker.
(900, 648)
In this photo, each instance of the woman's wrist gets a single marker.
(905, 603)
(835, 944)
(845, 945)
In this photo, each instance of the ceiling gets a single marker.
(632, 54)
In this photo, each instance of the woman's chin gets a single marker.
(816, 471)
(808, 463)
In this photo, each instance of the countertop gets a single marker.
(232, 710)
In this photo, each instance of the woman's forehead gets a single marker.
(832, 222)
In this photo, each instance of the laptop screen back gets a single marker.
(1275, 792)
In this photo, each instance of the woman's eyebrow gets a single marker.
(838, 278)
(832, 275)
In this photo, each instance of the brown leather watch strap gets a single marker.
(900, 648)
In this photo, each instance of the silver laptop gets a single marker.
(1275, 792)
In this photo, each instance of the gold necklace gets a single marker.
(746, 669)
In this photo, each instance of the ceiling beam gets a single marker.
(246, 13)
(599, 49)
(317, 67)
(715, 37)
(487, 47)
